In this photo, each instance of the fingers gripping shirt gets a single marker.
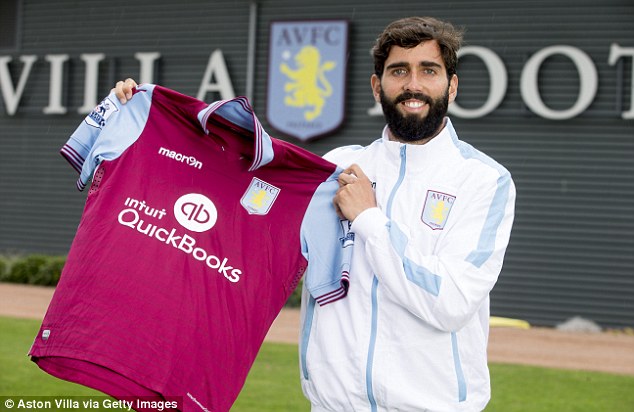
(197, 227)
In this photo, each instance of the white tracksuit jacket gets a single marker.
(412, 333)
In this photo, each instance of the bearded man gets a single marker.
(432, 217)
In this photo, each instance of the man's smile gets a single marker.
(414, 105)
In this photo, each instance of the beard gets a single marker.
(411, 127)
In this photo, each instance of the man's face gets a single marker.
(414, 92)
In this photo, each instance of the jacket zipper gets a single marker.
(375, 284)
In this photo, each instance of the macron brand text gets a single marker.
(179, 157)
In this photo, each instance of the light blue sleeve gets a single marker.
(327, 245)
(107, 132)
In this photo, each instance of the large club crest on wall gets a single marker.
(307, 73)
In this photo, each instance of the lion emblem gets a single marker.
(308, 86)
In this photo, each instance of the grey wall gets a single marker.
(572, 249)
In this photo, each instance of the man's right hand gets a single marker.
(355, 193)
(123, 90)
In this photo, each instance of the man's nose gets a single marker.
(414, 83)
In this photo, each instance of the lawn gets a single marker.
(273, 384)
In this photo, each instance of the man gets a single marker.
(431, 217)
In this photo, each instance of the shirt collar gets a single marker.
(239, 112)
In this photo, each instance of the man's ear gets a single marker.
(375, 82)
(453, 88)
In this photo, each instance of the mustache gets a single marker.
(411, 95)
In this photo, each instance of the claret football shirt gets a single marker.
(196, 229)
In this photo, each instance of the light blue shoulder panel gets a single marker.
(107, 132)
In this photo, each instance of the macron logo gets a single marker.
(179, 157)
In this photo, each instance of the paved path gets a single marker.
(603, 352)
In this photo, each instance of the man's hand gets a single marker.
(123, 90)
(355, 193)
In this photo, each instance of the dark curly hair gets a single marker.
(409, 32)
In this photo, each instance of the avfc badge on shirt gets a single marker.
(259, 197)
(436, 209)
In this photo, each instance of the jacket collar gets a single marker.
(421, 156)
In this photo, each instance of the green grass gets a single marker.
(525, 388)
(20, 376)
(273, 384)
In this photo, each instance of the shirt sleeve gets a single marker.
(106, 132)
(327, 246)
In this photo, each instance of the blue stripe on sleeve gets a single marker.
(416, 274)
(486, 243)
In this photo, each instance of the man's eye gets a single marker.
(399, 72)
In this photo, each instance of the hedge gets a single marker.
(31, 269)
(45, 271)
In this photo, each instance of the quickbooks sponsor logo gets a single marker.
(179, 157)
(193, 210)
